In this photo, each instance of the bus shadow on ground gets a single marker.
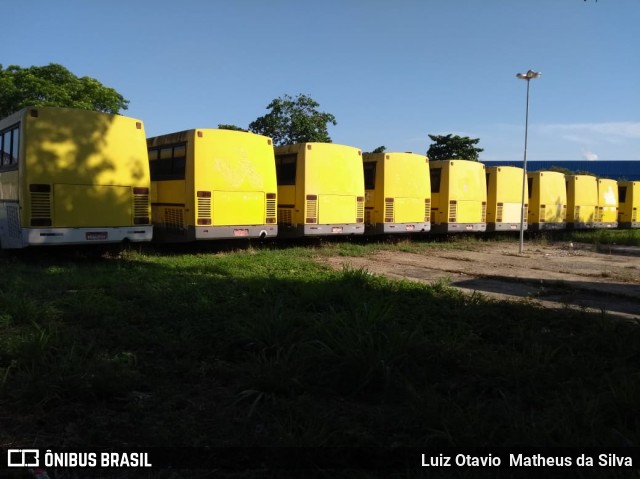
(603, 297)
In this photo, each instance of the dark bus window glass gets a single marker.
(435, 174)
(622, 194)
(370, 175)
(286, 169)
(14, 146)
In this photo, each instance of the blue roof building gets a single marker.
(617, 170)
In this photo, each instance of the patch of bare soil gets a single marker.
(557, 275)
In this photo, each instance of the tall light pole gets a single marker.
(525, 76)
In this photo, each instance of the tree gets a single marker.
(294, 120)
(54, 85)
(225, 126)
(451, 147)
(380, 149)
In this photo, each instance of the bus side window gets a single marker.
(167, 163)
(435, 174)
(15, 145)
(286, 169)
(6, 148)
(370, 175)
(622, 194)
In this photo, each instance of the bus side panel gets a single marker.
(238, 208)
(408, 210)
(512, 213)
(553, 194)
(336, 209)
(628, 210)
(469, 211)
(608, 202)
(79, 206)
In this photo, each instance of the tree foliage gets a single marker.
(452, 147)
(380, 149)
(226, 126)
(294, 120)
(54, 85)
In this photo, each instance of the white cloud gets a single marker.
(589, 155)
(593, 133)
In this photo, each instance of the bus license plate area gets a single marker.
(410, 227)
(336, 229)
(468, 227)
(240, 232)
(96, 235)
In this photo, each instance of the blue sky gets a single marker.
(391, 71)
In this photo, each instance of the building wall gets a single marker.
(617, 170)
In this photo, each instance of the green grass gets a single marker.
(629, 237)
(267, 347)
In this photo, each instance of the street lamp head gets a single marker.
(529, 75)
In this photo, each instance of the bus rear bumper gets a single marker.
(395, 228)
(60, 236)
(230, 232)
(505, 226)
(612, 225)
(458, 228)
(547, 226)
(331, 230)
(629, 224)
(580, 225)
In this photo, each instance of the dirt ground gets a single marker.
(554, 275)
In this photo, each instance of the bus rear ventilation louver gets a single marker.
(270, 213)
(141, 214)
(360, 209)
(453, 211)
(204, 208)
(427, 210)
(389, 213)
(312, 209)
(40, 204)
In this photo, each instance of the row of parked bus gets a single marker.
(72, 176)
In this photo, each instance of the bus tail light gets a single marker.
(484, 212)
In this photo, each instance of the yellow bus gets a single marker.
(320, 189)
(458, 196)
(628, 204)
(547, 200)
(582, 201)
(607, 203)
(397, 193)
(504, 198)
(212, 184)
(71, 176)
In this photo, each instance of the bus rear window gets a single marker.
(435, 174)
(286, 169)
(370, 175)
(167, 162)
